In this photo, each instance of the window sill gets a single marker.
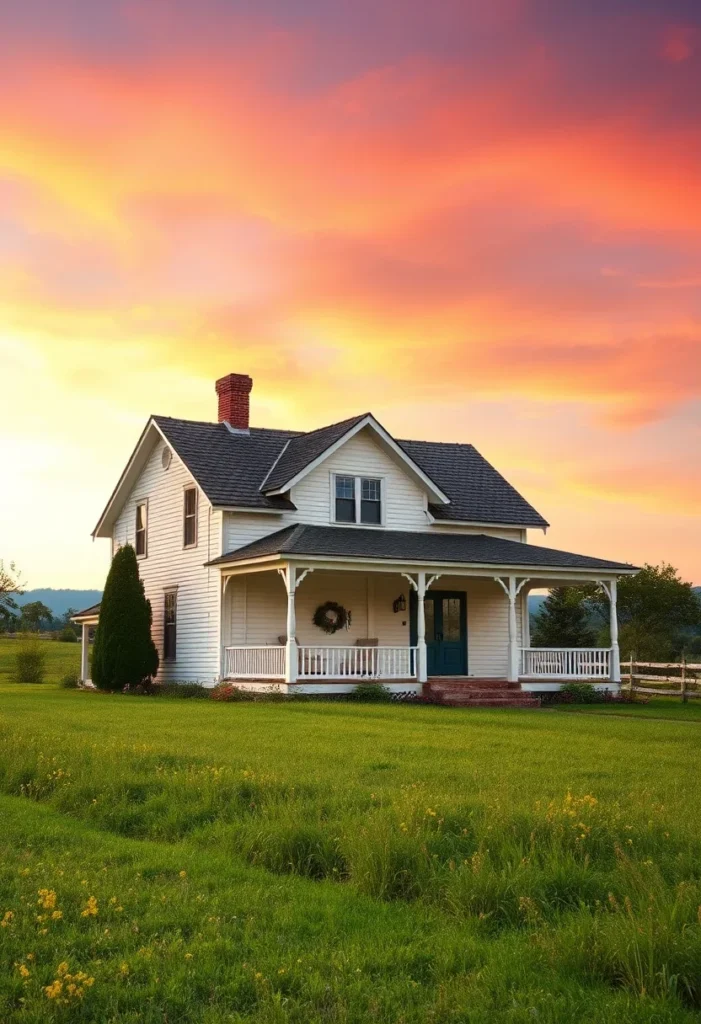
(359, 526)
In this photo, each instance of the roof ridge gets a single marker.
(275, 462)
(211, 423)
(443, 444)
(339, 423)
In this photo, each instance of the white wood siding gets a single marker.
(256, 613)
(168, 565)
(405, 502)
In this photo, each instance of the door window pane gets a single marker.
(451, 619)
(430, 616)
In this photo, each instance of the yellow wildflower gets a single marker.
(62, 969)
(47, 899)
(7, 919)
(188, 956)
(23, 970)
(124, 969)
(53, 991)
(91, 908)
(57, 915)
(183, 874)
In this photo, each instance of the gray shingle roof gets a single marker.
(477, 491)
(87, 612)
(301, 449)
(345, 542)
(231, 468)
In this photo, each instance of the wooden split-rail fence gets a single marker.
(661, 678)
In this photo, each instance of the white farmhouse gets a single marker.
(316, 560)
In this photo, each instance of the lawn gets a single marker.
(61, 658)
(192, 861)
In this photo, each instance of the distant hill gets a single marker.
(59, 601)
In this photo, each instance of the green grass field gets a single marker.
(61, 658)
(179, 861)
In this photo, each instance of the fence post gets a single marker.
(633, 663)
(684, 697)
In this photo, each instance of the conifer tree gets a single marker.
(563, 621)
(124, 653)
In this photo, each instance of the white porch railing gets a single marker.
(357, 663)
(254, 662)
(565, 663)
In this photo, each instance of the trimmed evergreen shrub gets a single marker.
(70, 681)
(67, 635)
(30, 660)
(124, 653)
(371, 692)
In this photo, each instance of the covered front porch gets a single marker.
(401, 625)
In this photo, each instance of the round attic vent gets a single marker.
(166, 458)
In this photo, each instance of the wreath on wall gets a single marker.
(330, 617)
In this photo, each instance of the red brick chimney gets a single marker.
(233, 392)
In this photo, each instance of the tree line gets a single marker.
(659, 616)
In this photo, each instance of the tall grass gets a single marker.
(593, 873)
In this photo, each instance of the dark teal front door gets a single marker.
(446, 632)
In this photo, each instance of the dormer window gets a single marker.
(358, 500)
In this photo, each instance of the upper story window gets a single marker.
(358, 500)
(371, 501)
(190, 517)
(345, 499)
(141, 528)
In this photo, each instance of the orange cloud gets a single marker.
(409, 208)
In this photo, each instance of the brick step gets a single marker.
(478, 694)
(490, 702)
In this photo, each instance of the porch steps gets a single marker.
(467, 692)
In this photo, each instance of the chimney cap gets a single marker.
(235, 382)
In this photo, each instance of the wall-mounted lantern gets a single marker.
(399, 605)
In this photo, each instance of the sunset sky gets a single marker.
(480, 219)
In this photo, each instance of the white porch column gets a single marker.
(615, 673)
(291, 655)
(513, 632)
(84, 653)
(421, 628)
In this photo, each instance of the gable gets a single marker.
(305, 453)
(405, 501)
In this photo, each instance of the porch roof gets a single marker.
(87, 614)
(392, 545)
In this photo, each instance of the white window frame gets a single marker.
(142, 502)
(358, 499)
(186, 488)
